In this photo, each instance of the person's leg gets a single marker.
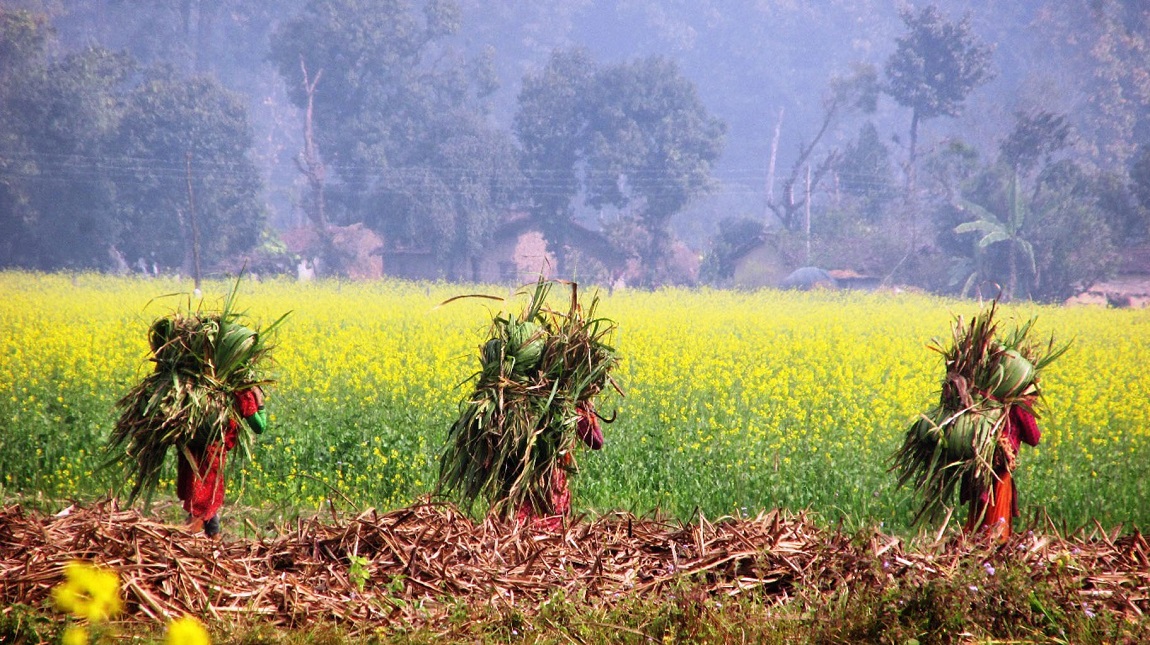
(999, 517)
(212, 526)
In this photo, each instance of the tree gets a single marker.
(863, 171)
(935, 66)
(56, 194)
(22, 40)
(393, 101)
(1005, 228)
(452, 203)
(1073, 244)
(652, 147)
(736, 236)
(1104, 47)
(858, 91)
(1036, 137)
(1140, 189)
(1045, 242)
(632, 136)
(188, 141)
(552, 128)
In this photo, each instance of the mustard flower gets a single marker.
(187, 631)
(88, 592)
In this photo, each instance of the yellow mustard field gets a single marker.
(734, 402)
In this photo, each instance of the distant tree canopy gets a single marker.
(108, 108)
(864, 171)
(632, 136)
(553, 126)
(92, 166)
(188, 130)
(399, 116)
(935, 66)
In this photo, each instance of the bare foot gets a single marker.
(195, 525)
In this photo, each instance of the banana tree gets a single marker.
(994, 229)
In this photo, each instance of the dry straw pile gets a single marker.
(423, 559)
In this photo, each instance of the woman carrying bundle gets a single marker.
(533, 404)
(969, 442)
(204, 398)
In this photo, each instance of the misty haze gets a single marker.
(965, 148)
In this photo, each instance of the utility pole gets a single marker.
(774, 155)
(807, 217)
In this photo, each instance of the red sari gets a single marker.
(201, 485)
(589, 431)
(992, 511)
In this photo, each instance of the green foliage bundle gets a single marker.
(520, 422)
(954, 443)
(201, 360)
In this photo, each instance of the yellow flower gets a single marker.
(187, 631)
(75, 635)
(88, 592)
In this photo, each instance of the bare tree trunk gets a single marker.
(788, 211)
(309, 161)
(311, 165)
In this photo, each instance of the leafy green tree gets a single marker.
(1140, 189)
(1140, 175)
(652, 147)
(453, 202)
(936, 64)
(864, 171)
(1073, 243)
(1046, 242)
(633, 136)
(393, 105)
(552, 128)
(1037, 136)
(56, 194)
(23, 35)
(735, 237)
(175, 132)
(1128, 221)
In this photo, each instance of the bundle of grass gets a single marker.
(539, 372)
(959, 443)
(201, 359)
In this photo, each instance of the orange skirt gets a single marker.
(994, 517)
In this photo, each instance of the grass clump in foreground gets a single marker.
(970, 606)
